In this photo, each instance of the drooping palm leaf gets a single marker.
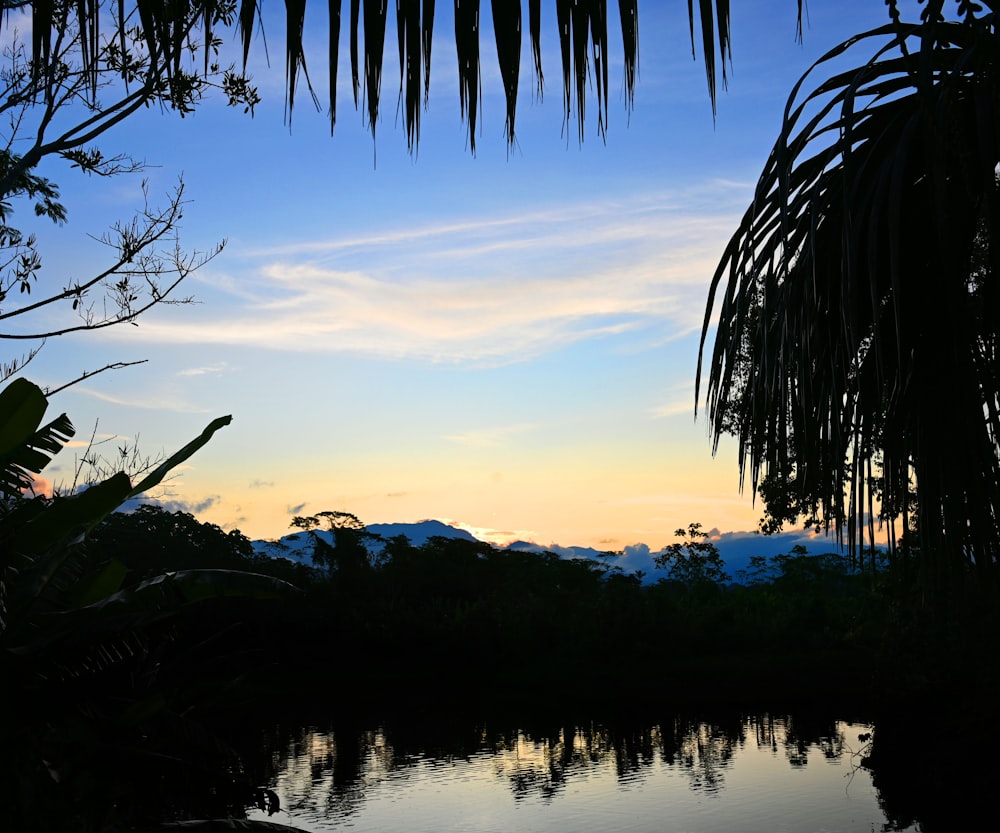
(582, 30)
(850, 282)
(374, 17)
(629, 13)
(409, 34)
(426, 40)
(535, 35)
(507, 30)
(295, 59)
(467, 47)
(334, 6)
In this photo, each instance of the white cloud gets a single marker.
(489, 291)
(145, 401)
(487, 437)
(678, 401)
(497, 537)
(207, 370)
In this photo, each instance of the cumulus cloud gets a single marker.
(40, 487)
(735, 548)
(191, 507)
(636, 557)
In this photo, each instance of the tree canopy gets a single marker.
(856, 355)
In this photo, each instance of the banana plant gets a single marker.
(81, 655)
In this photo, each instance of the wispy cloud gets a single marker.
(207, 370)
(145, 401)
(678, 401)
(488, 437)
(487, 291)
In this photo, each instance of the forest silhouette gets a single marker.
(136, 648)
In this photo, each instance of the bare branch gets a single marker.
(88, 373)
(133, 283)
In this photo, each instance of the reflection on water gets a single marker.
(761, 773)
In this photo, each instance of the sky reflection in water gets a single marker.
(759, 774)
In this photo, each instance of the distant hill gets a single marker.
(736, 548)
(297, 546)
(420, 533)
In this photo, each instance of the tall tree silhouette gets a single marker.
(860, 282)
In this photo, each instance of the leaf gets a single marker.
(173, 590)
(222, 825)
(107, 581)
(507, 31)
(153, 478)
(849, 325)
(22, 406)
(26, 449)
(67, 519)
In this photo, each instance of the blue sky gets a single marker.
(506, 341)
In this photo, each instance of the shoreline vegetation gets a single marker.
(461, 627)
(141, 706)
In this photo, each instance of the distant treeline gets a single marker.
(456, 618)
(148, 668)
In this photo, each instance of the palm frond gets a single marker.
(295, 58)
(507, 30)
(850, 281)
(467, 48)
(374, 17)
(583, 28)
(334, 56)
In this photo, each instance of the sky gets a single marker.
(505, 341)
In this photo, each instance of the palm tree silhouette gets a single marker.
(856, 351)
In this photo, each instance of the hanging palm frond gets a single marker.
(860, 282)
(409, 34)
(295, 59)
(467, 48)
(582, 25)
(374, 18)
(507, 29)
(334, 56)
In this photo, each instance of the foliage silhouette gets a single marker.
(59, 95)
(583, 40)
(104, 713)
(453, 616)
(860, 382)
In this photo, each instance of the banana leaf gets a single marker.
(25, 449)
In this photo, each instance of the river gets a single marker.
(740, 774)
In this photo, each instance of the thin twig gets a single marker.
(88, 373)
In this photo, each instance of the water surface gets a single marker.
(759, 773)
